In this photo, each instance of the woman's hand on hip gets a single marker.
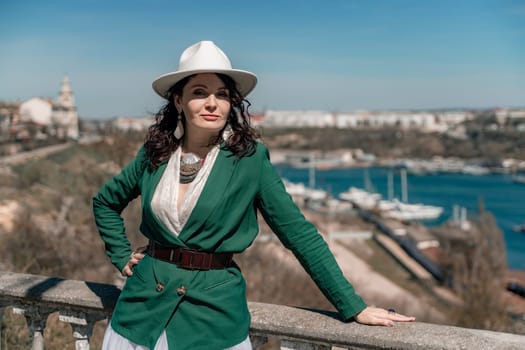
(380, 317)
(134, 259)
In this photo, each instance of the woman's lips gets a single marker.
(210, 117)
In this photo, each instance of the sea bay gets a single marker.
(499, 194)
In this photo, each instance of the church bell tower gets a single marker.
(65, 112)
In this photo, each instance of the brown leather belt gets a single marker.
(190, 259)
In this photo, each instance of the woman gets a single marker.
(202, 176)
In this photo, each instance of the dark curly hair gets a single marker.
(160, 142)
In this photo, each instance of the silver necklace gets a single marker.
(190, 164)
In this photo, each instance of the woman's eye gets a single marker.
(223, 94)
(200, 92)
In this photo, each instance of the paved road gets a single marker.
(34, 154)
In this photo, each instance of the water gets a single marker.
(503, 198)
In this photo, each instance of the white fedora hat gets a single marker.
(204, 57)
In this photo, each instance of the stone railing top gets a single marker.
(310, 326)
(58, 292)
(325, 328)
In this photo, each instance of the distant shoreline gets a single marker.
(331, 160)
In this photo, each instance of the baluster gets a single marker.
(287, 344)
(36, 323)
(256, 340)
(82, 325)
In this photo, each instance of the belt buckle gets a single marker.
(202, 261)
(177, 256)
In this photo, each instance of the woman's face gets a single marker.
(205, 102)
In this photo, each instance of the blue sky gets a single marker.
(330, 55)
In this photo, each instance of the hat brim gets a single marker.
(244, 80)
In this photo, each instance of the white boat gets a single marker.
(360, 198)
(385, 205)
(519, 179)
(402, 210)
(294, 189)
(394, 208)
(475, 170)
(300, 190)
(411, 211)
(519, 228)
(315, 194)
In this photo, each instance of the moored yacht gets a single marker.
(410, 211)
(361, 198)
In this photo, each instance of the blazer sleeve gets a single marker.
(108, 205)
(303, 239)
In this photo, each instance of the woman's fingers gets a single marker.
(394, 316)
(381, 321)
(401, 318)
(134, 259)
(377, 316)
(137, 255)
(126, 271)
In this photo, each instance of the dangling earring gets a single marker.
(227, 132)
(179, 130)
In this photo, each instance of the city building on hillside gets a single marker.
(9, 114)
(308, 119)
(132, 124)
(40, 117)
(257, 119)
(511, 116)
(36, 110)
(405, 120)
(450, 119)
(414, 120)
(510, 113)
(10, 111)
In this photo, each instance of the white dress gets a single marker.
(164, 205)
(114, 341)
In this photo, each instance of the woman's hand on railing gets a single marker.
(374, 316)
(134, 259)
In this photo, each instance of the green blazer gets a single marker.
(211, 311)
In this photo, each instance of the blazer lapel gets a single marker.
(152, 182)
(212, 193)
